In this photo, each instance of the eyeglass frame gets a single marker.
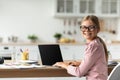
(90, 28)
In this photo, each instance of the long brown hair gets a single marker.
(95, 20)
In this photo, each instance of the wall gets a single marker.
(24, 17)
(118, 36)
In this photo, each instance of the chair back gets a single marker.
(115, 73)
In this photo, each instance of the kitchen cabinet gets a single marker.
(110, 7)
(32, 49)
(65, 8)
(72, 52)
(7, 50)
(76, 52)
(80, 8)
(86, 6)
(69, 51)
(114, 49)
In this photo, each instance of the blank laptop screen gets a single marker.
(50, 54)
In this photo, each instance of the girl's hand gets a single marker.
(74, 63)
(61, 64)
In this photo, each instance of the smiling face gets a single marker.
(89, 30)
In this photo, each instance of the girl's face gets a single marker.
(89, 30)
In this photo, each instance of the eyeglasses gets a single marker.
(90, 28)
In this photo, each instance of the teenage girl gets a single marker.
(94, 64)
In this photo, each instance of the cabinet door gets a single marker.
(80, 8)
(72, 52)
(115, 51)
(87, 6)
(64, 6)
(33, 52)
(60, 6)
(109, 7)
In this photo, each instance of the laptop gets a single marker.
(50, 54)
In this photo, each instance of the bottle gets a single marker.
(109, 56)
(1, 60)
(13, 56)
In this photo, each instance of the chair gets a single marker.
(115, 73)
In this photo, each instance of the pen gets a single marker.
(21, 50)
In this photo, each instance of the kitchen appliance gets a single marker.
(6, 51)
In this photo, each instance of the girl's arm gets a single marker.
(74, 63)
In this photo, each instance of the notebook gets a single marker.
(50, 54)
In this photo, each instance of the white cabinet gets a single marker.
(76, 52)
(7, 50)
(32, 49)
(80, 8)
(72, 52)
(66, 8)
(114, 50)
(86, 6)
(110, 7)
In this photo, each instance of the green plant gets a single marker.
(58, 35)
(32, 37)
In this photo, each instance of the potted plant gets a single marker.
(33, 38)
(57, 36)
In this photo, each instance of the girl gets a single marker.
(94, 64)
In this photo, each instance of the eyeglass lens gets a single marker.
(90, 28)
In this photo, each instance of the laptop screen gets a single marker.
(50, 54)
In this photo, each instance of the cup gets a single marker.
(24, 56)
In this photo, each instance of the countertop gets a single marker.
(75, 43)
